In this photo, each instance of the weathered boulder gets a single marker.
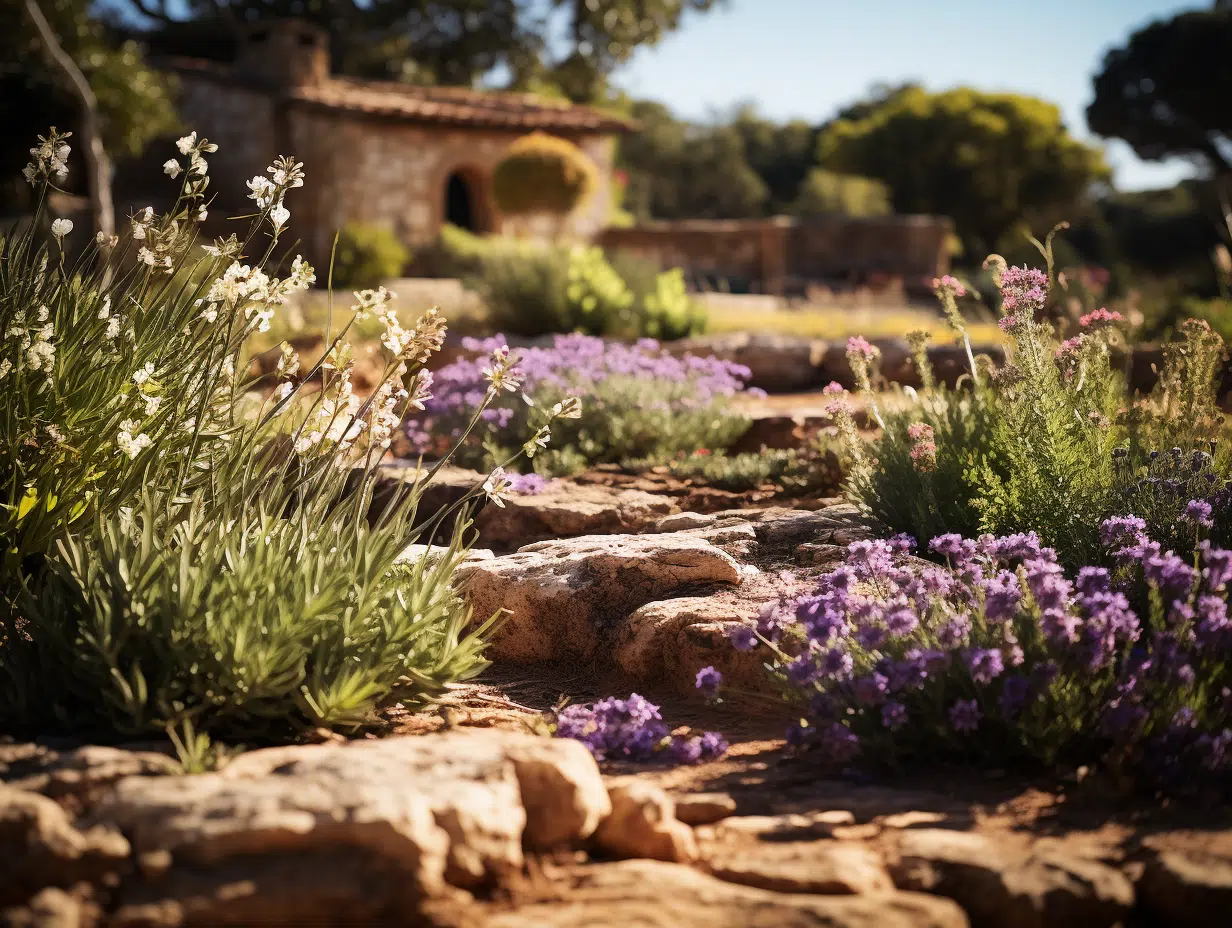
(643, 824)
(40, 847)
(704, 808)
(650, 894)
(456, 806)
(567, 510)
(822, 867)
(79, 777)
(1001, 889)
(565, 597)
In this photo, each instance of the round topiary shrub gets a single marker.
(543, 174)
(367, 255)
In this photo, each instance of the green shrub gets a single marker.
(1051, 443)
(787, 470)
(524, 288)
(823, 192)
(598, 301)
(183, 557)
(541, 173)
(641, 403)
(367, 255)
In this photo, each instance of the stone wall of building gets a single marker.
(363, 168)
(780, 254)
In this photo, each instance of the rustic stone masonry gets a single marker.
(410, 158)
(783, 254)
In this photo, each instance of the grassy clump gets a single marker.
(181, 554)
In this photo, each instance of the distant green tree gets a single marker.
(845, 194)
(134, 100)
(680, 170)
(988, 160)
(443, 41)
(782, 154)
(1167, 91)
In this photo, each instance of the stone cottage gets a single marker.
(411, 158)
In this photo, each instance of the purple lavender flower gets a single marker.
(965, 715)
(954, 632)
(1168, 572)
(840, 743)
(1014, 694)
(955, 547)
(687, 751)
(1198, 511)
(901, 621)
(1093, 580)
(708, 681)
(1123, 531)
(902, 543)
(713, 745)
(836, 664)
(893, 715)
(1002, 594)
(985, 664)
(1217, 570)
(870, 689)
(742, 637)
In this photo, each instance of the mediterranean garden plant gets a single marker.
(1001, 656)
(641, 403)
(185, 549)
(1052, 441)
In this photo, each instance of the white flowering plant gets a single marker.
(185, 547)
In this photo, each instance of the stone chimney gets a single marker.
(284, 54)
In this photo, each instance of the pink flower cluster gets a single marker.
(839, 405)
(924, 447)
(1024, 291)
(859, 346)
(949, 283)
(1100, 317)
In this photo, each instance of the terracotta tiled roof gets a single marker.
(457, 106)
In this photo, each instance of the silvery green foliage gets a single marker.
(177, 554)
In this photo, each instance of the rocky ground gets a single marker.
(465, 816)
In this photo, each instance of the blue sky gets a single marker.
(806, 58)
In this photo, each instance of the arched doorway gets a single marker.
(460, 206)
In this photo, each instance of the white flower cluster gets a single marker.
(113, 321)
(502, 372)
(50, 158)
(198, 180)
(128, 443)
(268, 192)
(251, 290)
(414, 345)
(158, 248)
(35, 349)
(385, 402)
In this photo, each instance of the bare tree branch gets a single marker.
(98, 165)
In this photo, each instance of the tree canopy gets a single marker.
(134, 100)
(988, 160)
(1166, 91)
(573, 45)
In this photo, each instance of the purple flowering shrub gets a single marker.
(633, 729)
(1001, 655)
(638, 402)
(1051, 442)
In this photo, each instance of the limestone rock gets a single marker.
(650, 894)
(562, 792)
(568, 510)
(40, 847)
(78, 778)
(822, 867)
(643, 824)
(999, 888)
(51, 908)
(704, 808)
(1187, 887)
(789, 826)
(565, 597)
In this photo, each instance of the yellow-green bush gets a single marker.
(367, 254)
(543, 174)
